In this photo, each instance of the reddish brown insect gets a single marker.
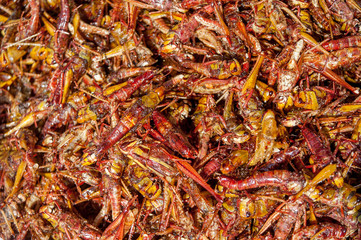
(285, 180)
(176, 139)
(61, 34)
(69, 222)
(323, 155)
(322, 230)
(131, 86)
(346, 42)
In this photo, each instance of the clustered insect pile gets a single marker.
(195, 119)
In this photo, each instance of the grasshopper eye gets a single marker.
(235, 68)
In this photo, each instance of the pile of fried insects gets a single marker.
(195, 119)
